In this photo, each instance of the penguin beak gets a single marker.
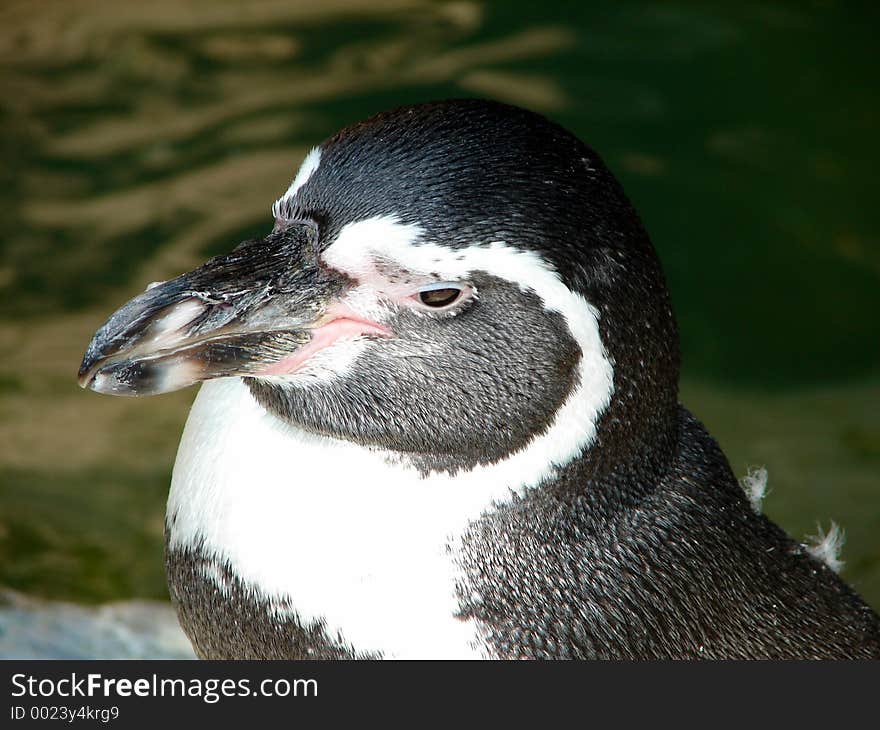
(237, 314)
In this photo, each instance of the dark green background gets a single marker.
(139, 138)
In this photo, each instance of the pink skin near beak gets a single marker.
(339, 323)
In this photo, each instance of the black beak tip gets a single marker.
(84, 378)
(91, 361)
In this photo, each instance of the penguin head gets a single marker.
(454, 282)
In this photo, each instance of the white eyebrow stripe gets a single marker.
(574, 427)
(311, 163)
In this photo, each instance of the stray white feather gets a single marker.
(755, 486)
(826, 546)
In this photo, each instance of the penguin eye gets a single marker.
(440, 295)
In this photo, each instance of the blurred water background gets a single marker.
(140, 138)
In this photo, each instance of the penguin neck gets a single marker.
(637, 434)
(622, 467)
(636, 440)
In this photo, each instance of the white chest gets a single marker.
(334, 528)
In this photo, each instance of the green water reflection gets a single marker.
(139, 138)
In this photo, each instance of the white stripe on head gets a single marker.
(359, 244)
(306, 170)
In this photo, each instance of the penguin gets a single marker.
(439, 418)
